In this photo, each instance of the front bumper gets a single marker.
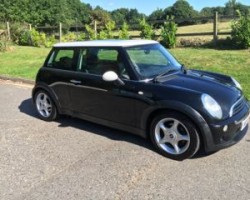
(228, 132)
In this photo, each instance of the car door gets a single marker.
(57, 71)
(93, 97)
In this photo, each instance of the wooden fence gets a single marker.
(214, 19)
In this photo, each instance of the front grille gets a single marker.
(237, 106)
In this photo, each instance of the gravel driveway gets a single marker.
(75, 159)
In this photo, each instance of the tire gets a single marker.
(174, 136)
(45, 106)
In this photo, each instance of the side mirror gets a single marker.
(111, 76)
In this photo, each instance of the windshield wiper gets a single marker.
(164, 73)
(183, 69)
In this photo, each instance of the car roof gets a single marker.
(106, 43)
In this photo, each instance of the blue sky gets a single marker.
(148, 6)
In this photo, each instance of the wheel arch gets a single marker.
(181, 108)
(47, 89)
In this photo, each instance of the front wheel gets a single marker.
(174, 136)
(45, 106)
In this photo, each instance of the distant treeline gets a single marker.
(75, 12)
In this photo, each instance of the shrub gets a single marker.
(90, 32)
(38, 39)
(241, 32)
(123, 33)
(3, 45)
(147, 31)
(69, 37)
(107, 32)
(16, 29)
(25, 38)
(102, 35)
(193, 42)
(109, 28)
(81, 37)
(168, 33)
(3, 41)
(50, 41)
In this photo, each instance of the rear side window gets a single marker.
(107, 55)
(61, 59)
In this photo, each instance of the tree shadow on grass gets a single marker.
(28, 108)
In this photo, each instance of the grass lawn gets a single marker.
(235, 63)
(22, 61)
(198, 28)
(25, 61)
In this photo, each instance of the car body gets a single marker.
(139, 87)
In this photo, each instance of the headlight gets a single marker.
(236, 83)
(211, 106)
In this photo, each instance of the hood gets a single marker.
(218, 86)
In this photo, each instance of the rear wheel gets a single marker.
(45, 106)
(174, 136)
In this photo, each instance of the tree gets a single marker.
(101, 16)
(155, 16)
(120, 15)
(79, 12)
(209, 12)
(232, 6)
(182, 10)
(134, 16)
(42, 12)
(130, 16)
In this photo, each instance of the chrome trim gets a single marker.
(232, 108)
(243, 119)
(75, 81)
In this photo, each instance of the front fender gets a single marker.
(182, 108)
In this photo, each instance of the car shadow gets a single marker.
(28, 108)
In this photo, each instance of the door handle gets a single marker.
(75, 81)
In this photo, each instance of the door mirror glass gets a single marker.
(110, 76)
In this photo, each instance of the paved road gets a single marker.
(74, 159)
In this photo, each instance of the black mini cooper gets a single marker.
(139, 87)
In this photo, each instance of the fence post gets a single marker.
(30, 27)
(8, 30)
(95, 27)
(215, 27)
(60, 32)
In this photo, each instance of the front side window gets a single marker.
(151, 60)
(97, 61)
(61, 59)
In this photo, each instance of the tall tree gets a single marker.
(101, 16)
(232, 6)
(209, 11)
(181, 9)
(41, 12)
(120, 15)
(158, 14)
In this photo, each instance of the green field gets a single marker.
(198, 28)
(25, 61)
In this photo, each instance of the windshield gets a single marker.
(152, 60)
